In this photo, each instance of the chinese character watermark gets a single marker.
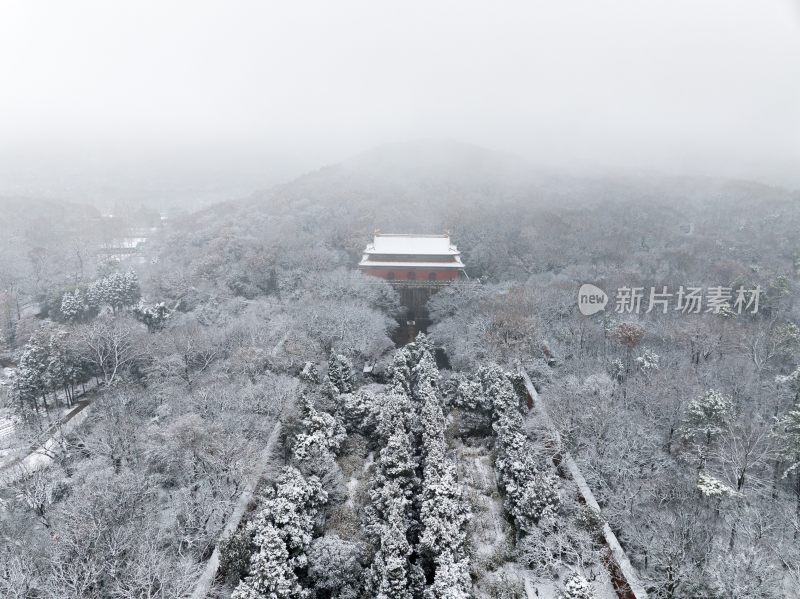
(662, 300)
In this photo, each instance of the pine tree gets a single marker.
(321, 424)
(397, 463)
(291, 507)
(788, 435)
(444, 513)
(399, 371)
(72, 308)
(361, 411)
(340, 375)
(154, 317)
(396, 412)
(470, 396)
(452, 579)
(390, 571)
(315, 446)
(42, 367)
(421, 345)
(118, 290)
(432, 422)
(707, 415)
(576, 587)
(271, 571)
(425, 375)
(335, 568)
(531, 492)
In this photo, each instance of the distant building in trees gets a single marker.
(417, 265)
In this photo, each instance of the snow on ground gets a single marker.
(490, 534)
(353, 483)
(44, 454)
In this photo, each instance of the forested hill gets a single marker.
(509, 219)
(683, 424)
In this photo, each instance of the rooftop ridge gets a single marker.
(436, 235)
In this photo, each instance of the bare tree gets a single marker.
(112, 345)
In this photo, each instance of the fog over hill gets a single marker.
(495, 205)
(241, 356)
(250, 317)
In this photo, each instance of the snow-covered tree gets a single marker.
(72, 306)
(470, 396)
(390, 573)
(648, 361)
(399, 372)
(711, 486)
(361, 411)
(787, 433)
(30, 380)
(318, 424)
(531, 491)
(291, 507)
(334, 567)
(396, 412)
(451, 580)
(576, 587)
(339, 378)
(118, 290)
(444, 513)
(154, 316)
(425, 374)
(707, 415)
(397, 458)
(432, 418)
(317, 443)
(791, 382)
(271, 571)
(47, 364)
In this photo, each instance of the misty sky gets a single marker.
(238, 95)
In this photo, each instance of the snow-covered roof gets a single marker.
(424, 245)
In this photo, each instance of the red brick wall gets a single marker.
(402, 274)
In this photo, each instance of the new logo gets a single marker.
(591, 299)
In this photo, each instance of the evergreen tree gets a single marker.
(118, 290)
(397, 460)
(396, 411)
(361, 411)
(707, 415)
(340, 375)
(154, 317)
(291, 507)
(390, 571)
(576, 587)
(452, 579)
(271, 571)
(30, 378)
(315, 446)
(425, 374)
(470, 396)
(72, 307)
(335, 568)
(444, 512)
(788, 435)
(400, 372)
(319, 424)
(47, 365)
